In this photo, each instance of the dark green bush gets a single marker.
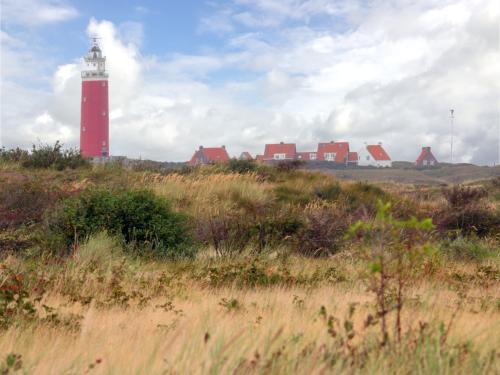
(145, 222)
(241, 166)
(13, 155)
(46, 156)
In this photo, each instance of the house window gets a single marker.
(279, 156)
(312, 156)
(330, 156)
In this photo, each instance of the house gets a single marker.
(426, 159)
(307, 155)
(259, 157)
(245, 156)
(333, 151)
(352, 159)
(209, 155)
(280, 151)
(375, 156)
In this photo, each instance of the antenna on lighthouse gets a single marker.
(452, 111)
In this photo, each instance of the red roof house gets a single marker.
(333, 151)
(209, 155)
(352, 158)
(307, 155)
(280, 151)
(374, 155)
(426, 158)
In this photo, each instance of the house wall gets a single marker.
(366, 159)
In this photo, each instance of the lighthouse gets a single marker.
(94, 120)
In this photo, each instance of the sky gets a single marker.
(242, 73)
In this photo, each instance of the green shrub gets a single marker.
(292, 195)
(13, 155)
(145, 222)
(328, 192)
(466, 212)
(46, 156)
(467, 249)
(241, 166)
(365, 196)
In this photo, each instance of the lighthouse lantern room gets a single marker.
(94, 121)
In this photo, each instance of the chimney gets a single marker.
(281, 143)
(332, 141)
(224, 147)
(201, 147)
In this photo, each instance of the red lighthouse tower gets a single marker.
(94, 123)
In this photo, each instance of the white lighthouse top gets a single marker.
(96, 63)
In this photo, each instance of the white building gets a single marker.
(375, 156)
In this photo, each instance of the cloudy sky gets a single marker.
(248, 72)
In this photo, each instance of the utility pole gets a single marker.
(451, 143)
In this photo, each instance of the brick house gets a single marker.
(209, 155)
(333, 151)
(307, 155)
(280, 151)
(426, 159)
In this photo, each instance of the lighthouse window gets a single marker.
(83, 129)
(104, 113)
(103, 84)
(84, 98)
(104, 143)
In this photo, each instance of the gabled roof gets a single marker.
(341, 149)
(377, 152)
(353, 157)
(246, 156)
(289, 149)
(426, 154)
(207, 155)
(259, 157)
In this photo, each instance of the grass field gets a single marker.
(404, 173)
(281, 274)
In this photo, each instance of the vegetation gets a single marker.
(44, 156)
(243, 268)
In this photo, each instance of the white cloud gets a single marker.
(36, 12)
(391, 77)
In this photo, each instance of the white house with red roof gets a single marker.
(280, 151)
(375, 156)
(209, 155)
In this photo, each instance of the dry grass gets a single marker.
(200, 334)
(176, 321)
